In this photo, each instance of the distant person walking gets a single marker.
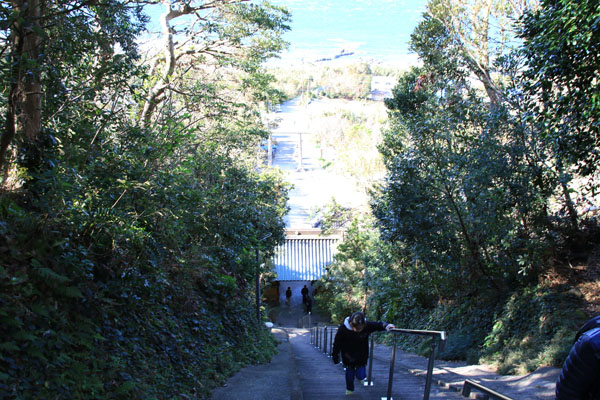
(580, 375)
(288, 296)
(352, 340)
(308, 305)
(304, 292)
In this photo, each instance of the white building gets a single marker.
(381, 87)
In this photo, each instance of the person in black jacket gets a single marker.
(352, 340)
(304, 293)
(580, 375)
(288, 296)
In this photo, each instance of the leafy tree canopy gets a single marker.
(562, 57)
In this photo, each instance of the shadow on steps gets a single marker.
(290, 316)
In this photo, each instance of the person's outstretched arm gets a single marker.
(379, 326)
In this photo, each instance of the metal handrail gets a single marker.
(302, 321)
(438, 339)
(322, 338)
(468, 385)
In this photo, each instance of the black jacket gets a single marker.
(354, 346)
(580, 375)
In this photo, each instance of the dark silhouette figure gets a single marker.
(308, 305)
(288, 296)
(304, 292)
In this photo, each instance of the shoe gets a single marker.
(349, 392)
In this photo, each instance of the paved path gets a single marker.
(276, 380)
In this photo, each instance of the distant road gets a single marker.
(313, 185)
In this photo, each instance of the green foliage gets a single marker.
(562, 52)
(347, 135)
(127, 252)
(483, 188)
(536, 327)
(343, 288)
(468, 204)
(91, 328)
(455, 189)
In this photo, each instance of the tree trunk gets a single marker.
(156, 93)
(31, 113)
(24, 107)
(566, 193)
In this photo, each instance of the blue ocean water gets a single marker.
(377, 29)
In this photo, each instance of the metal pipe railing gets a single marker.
(438, 339)
(331, 341)
(391, 375)
(305, 321)
(468, 385)
(369, 377)
(322, 338)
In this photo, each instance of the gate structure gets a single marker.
(304, 255)
(300, 261)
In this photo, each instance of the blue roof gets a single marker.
(303, 259)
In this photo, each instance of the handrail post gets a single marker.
(331, 342)
(325, 340)
(369, 380)
(320, 341)
(391, 378)
(320, 338)
(466, 391)
(429, 377)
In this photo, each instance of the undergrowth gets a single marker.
(82, 325)
(534, 327)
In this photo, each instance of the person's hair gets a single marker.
(357, 320)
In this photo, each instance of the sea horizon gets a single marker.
(370, 30)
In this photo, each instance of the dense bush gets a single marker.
(536, 326)
(131, 210)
